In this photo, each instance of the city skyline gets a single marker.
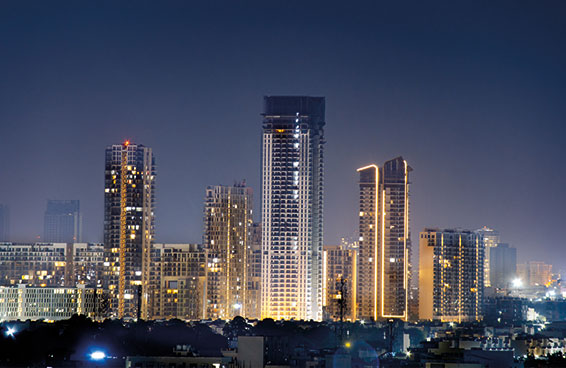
(496, 114)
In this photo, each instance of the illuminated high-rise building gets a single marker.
(227, 222)
(490, 240)
(451, 275)
(339, 283)
(63, 222)
(292, 206)
(385, 243)
(253, 295)
(534, 273)
(128, 227)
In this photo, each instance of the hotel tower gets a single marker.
(128, 227)
(292, 206)
(385, 245)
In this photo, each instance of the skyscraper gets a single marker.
(451, 275)
(292, 205)
(227, 222)
(62, 222)
(128, 226)
(490, 240)
(4, 223)
(503, 265)
(385, 244)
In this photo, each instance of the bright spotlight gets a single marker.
(517, 283)
(97, 355)
(11, 331)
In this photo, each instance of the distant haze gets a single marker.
(472, 94)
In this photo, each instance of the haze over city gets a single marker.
(470, 94)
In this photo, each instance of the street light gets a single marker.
(11, 331)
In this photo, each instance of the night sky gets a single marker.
(471, 93)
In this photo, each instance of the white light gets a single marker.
(11, 331)
(517, 283)
(97, 355)
(237, 306)
(392, 260)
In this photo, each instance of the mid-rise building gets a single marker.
(384, 245)
(503, 265)
(339, 283)
(49, 303)
(451, 275)
(51, 264)
(178, 282)
(128, 227)
(490, 240)
(4, 223)
(227, 222)
(62, 222)
(292, 207)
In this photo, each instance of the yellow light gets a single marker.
(280, 130)
(348, 344)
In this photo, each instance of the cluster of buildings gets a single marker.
(278, 268)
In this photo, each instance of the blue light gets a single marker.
(97, 355)
(11, 331)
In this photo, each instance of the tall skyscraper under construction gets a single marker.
(128, 227)
(384, 245)
(292, 206)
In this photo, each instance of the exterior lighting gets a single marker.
(517, 283)
(11, 331)
(348, 344)
(237, 306)
(97, 355)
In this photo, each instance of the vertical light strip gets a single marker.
(441, 260)
(405, 238)
(460, 278)
(122, 254)
(324, 281)
(383, 252)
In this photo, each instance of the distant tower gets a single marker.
(4, 223)
(292, 204)
(128, 226)
(503, 265)
(63, 222)
(227, 222)
(451, 275)
(385, 243)
(490, 240)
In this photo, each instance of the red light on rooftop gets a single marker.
(127, 143)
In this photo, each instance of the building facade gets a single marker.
(62, 222)
(49, 303)
(253, 299)
(51, 264)
(490, 240)
(227, 223)
(292, 207)
(502, 265)
(451, 275)
(384, 245)
(339, 284)
(4, 223)
(178, 282)
(128, 227)
(534, 273)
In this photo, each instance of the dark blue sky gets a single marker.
(471, 93)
